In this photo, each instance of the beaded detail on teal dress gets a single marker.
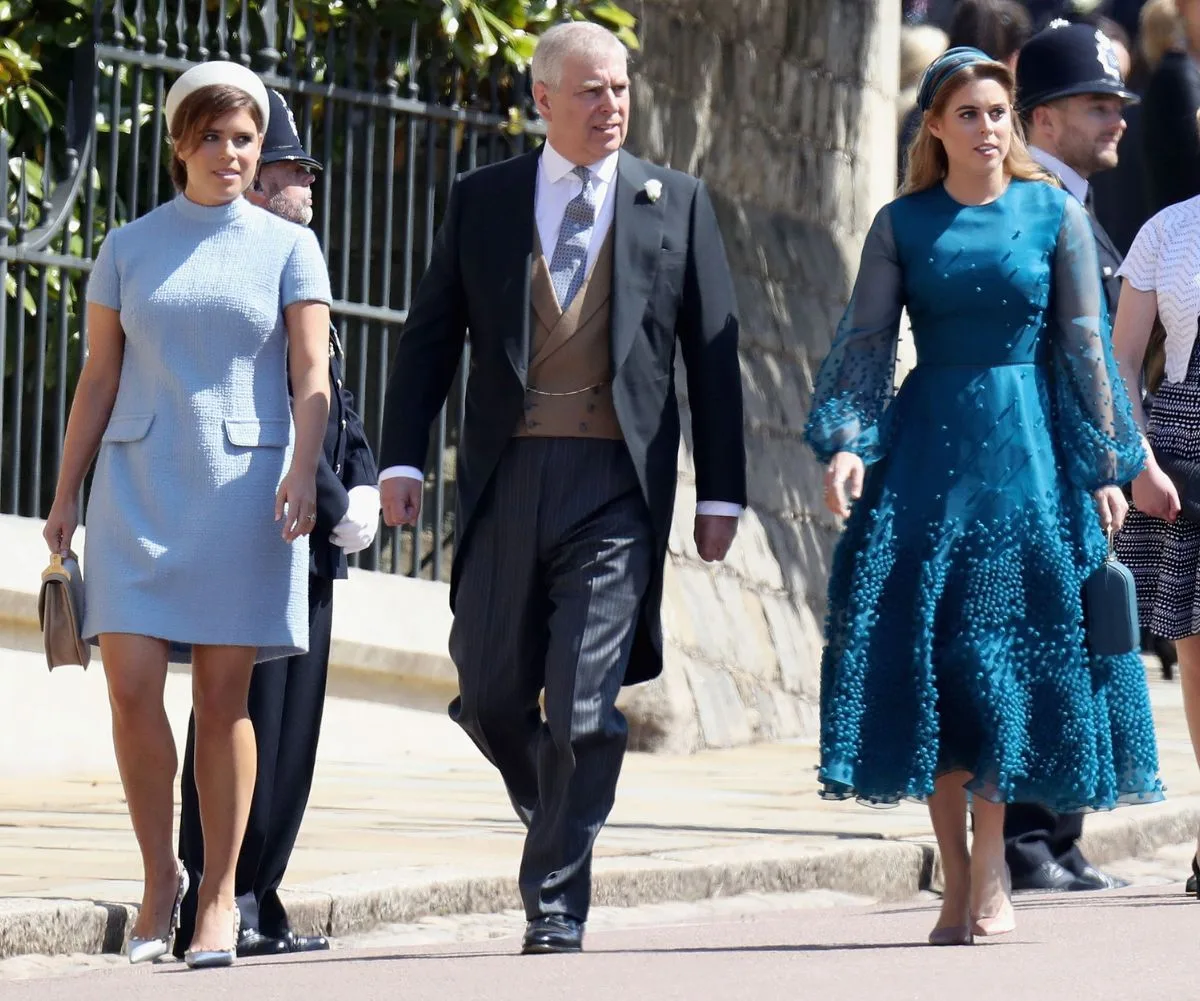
(955, 636)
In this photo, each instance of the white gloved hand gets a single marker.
(357, 529)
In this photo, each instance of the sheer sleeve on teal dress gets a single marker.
(1100, 440)
(856, 380)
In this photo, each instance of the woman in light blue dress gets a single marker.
(205, 486)
(956, 657)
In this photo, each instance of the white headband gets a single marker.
(218, 72)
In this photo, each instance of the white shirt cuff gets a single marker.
(408, 472)
(725, 509)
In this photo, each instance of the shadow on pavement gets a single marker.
(767, 831)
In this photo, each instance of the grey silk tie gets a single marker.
(569, 263)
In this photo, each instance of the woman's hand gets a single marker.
(843, 482)
(296, 503)
(1155, 494)
(1112, 506)
(61, 525)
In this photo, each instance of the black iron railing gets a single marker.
(392, 124)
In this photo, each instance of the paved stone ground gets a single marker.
(403, 792)
(756, 933)
(402, 797)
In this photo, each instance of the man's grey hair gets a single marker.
(583, 39)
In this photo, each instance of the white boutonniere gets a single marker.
(653, 190)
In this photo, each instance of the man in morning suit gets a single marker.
(1071, 96)
(287, 696)
(578, 269)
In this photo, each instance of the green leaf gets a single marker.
(488, 45)
(521, 47)
(608, 11)
(501, 27)
(10, 292)
(33, 105)
(630, 39)
(33, 175)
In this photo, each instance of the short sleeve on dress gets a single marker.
(1141, 263)
(856, 380)
(1101, 443)
(305, 276)
(104, 282)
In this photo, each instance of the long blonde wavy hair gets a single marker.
(927, 160)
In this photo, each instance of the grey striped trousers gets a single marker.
(549, 592)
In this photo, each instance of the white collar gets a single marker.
(556, 166)
(1070, 178)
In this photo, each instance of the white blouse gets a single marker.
(1165, 259)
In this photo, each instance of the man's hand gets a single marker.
(400, 497)
(714, 535)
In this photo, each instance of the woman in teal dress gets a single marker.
(956, 658)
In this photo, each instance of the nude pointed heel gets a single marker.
(955, 935)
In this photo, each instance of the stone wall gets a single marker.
(785, 108)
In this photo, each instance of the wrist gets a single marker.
(303, 466)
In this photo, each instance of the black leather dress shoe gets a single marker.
(252, 942)
(1049, 877)
(1091, 878)
(1191, 885)
(303, 943)
(553, 933)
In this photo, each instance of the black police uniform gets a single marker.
(287, 696)
(1041, 846)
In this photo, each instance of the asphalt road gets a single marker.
(1138, 943)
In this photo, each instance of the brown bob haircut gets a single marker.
(196, 114)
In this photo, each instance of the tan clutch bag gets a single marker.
(60, 613)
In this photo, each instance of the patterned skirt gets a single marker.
(1165, 558)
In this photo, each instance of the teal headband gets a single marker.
(943, 68)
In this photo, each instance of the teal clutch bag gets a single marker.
(1110, 608)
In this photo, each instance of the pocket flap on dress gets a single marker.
(253, 433)
(131, 427)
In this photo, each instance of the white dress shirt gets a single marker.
(1071, 180)
(554, 189)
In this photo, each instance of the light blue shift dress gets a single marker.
(182, 541)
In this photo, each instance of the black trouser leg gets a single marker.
(497, 641)
(549, 596)
(191, 840)
(1034, 834)
(597, 574)
(296, 757)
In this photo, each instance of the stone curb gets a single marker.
(878, 868)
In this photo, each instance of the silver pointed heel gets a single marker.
(146, 950)
(211, 959)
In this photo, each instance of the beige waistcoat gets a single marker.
(569, 383)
